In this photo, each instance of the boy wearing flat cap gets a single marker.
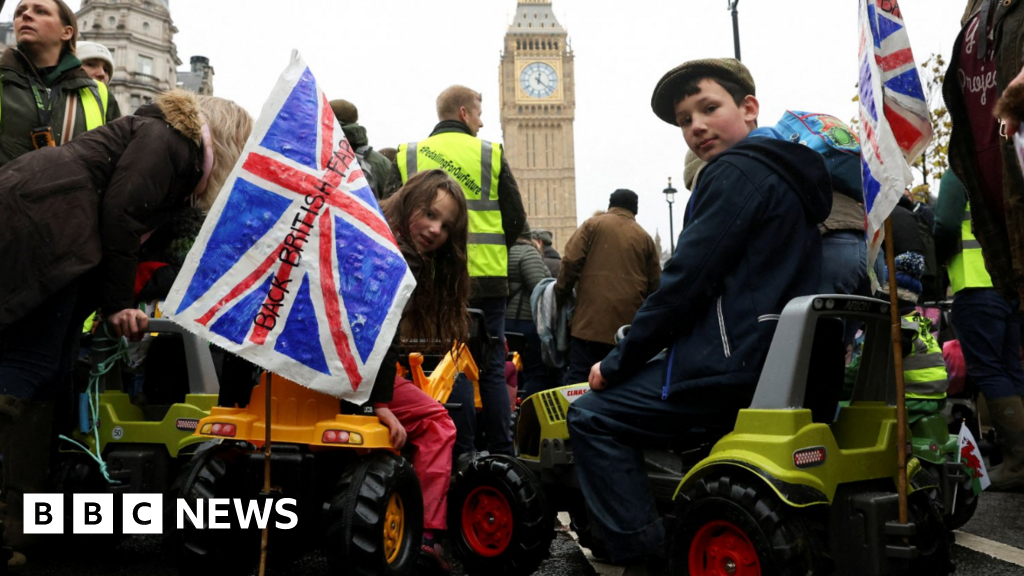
(750, 244)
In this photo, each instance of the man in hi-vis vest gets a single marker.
(496, 217)
(988, 327)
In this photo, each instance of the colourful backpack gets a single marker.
(833, 139)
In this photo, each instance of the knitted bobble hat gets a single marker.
(909, 270)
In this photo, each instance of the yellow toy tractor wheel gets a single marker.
(375, 519)
(394, 528)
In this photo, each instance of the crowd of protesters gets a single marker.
(100, 210)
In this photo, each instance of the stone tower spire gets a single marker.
(538, 107)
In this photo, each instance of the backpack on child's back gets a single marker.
(833, 139)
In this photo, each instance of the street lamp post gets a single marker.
(735, 27)
(670, 197)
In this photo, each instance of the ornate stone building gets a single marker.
(140, 35)
(538, 104)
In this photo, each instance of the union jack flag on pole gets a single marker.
(894, 125)
(295, 268)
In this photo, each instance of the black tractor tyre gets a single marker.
(375, 519)
(932, 538)
(498, 518)
(966, 505)
(215, 471)
(733, 520)
(966, 501)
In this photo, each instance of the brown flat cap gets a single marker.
(665, 93)
(345, 111)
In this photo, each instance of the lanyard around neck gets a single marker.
(44, 112)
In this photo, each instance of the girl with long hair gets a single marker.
(430, 220)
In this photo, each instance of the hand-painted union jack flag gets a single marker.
(894, 126)
(295, 268)
(906, 107)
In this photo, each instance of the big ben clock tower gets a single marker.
(538, 103)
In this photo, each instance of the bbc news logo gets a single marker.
(144, 513)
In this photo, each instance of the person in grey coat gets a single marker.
(525, 270)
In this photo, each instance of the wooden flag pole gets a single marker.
(897, 354)
(266, 475)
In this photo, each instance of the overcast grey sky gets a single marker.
(392, 58)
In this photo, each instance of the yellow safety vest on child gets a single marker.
(924, 370)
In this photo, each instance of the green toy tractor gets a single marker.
(796, 486)
(135, 437)
(939, 454)
(935, 438)
(142, 447)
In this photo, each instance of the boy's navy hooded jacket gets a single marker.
(750, 244)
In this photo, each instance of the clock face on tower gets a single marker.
(538, 80)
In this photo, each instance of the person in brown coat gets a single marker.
(613, 264)
(75, 217)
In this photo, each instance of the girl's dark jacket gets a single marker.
(86, 205)
(750, 244)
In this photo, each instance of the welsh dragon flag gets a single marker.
(970, 456)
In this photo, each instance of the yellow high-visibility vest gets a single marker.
(475, 164)
(924, 370)
(94, 103)
(967, 268)
(95, 112)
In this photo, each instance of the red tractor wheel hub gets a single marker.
(487, 521)
(721, 548)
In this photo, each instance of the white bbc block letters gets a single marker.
(142, 513)
(43, 514)
(92, 514)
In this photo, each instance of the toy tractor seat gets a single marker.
(823, 390)
(824, 387)
(826, 371)
(698, 442)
